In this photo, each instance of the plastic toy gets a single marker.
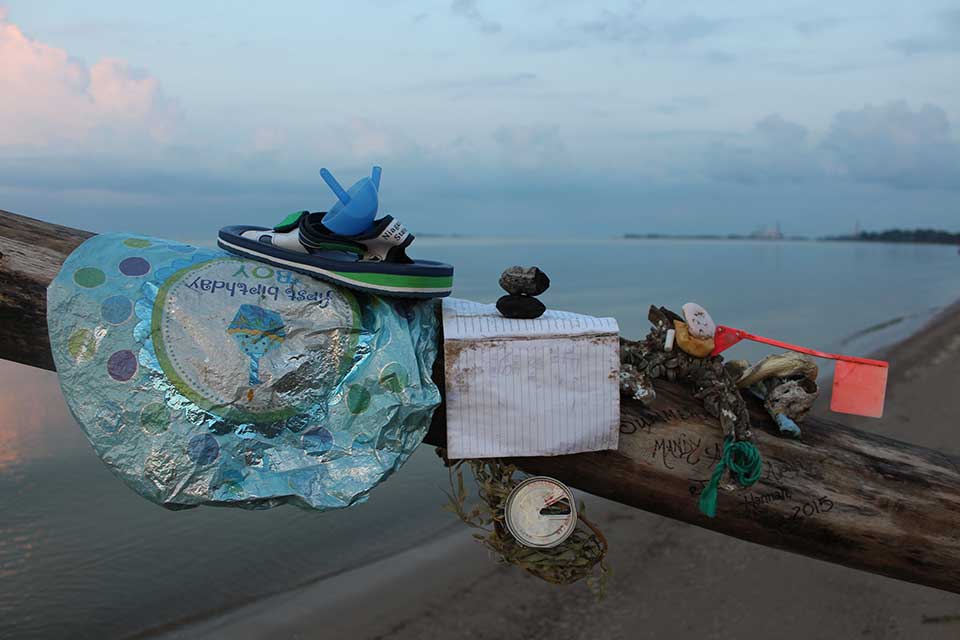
(354, 211)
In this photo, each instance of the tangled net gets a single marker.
(642, 362)
(714, 386)
(577, 558)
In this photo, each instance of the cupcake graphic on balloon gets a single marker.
(257, 331)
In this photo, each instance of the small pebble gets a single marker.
(524, 281)
(522, 307)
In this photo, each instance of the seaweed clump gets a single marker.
(579, 557)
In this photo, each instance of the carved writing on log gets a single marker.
(691, 450)
(753, 503)
(685, 449)
(776, 506)
(778, 509)
(776, 471)
(771, 502)
(646, 418)
(808, 509)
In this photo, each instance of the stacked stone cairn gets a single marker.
(522, 285)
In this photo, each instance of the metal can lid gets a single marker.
(529, 516)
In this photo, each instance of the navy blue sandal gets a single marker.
(375, 260)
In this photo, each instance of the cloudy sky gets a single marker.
(542, 117)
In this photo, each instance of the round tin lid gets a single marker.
(537, 515)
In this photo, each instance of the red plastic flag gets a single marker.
(859, 384)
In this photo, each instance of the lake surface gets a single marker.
(83, 556)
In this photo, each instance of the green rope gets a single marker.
(743, 460)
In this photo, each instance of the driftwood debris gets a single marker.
(31, 253)
(839, 494)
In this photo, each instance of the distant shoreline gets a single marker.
(908, 236)
(874, 238)
(732, 236)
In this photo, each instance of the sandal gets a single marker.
(374, 261)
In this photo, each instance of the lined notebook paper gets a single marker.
(539, 387)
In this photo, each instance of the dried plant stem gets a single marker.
(574, 559)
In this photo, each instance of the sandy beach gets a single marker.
(664, 571)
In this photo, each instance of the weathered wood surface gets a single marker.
(840, 495)
(31, 253)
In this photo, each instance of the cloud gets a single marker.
(690, 28)
(679, 104)
(816, 26)
(268, 161)
(945, 39)
(890, 145)
(617, 26)
(269, 139)
(775, 151)
(951, 20)
(779, 132)
(529, 147)
(71, 126)
(627, 26)
(468, 10)
(473, 84)
(51, 98)
(894, 145)
(715, 56)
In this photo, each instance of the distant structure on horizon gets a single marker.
(763, 233)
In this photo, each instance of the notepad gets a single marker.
(539, 387)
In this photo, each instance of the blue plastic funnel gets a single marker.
(355, 209)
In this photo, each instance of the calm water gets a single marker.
(82, 556)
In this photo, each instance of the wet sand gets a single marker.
(670, 579)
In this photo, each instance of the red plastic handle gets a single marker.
(726, 337)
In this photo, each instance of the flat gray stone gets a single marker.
(524, 281)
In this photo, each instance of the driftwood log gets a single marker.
(840, 495)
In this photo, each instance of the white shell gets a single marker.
(699, 322)
(668, 341)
